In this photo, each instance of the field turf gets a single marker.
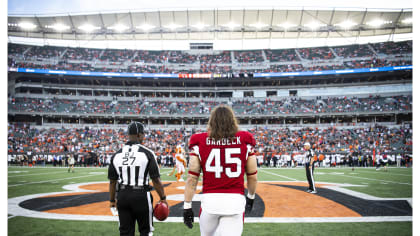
(395, 183)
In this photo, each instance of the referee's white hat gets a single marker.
(307, 144)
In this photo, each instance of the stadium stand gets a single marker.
(52, 116)
(354, 51)
(249, 61)
(316, 53)
(270, 142)
(283, 106)
(223, 57)
(248, 56)
(281, 55)
(389, 48)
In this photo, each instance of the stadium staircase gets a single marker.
(373, 50)
(298, 54)
(333, 52)
(265, 57)
(63, 53)
(27, 50)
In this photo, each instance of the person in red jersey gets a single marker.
(224, 155)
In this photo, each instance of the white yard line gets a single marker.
(164, 172)
(379, 180)
(11, 217)
(44, 173)
(52, 180)
(325, 219)
(277, 175)
(384, 173)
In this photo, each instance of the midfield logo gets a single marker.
(275, 202)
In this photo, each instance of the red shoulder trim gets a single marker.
(194, 173)
(248, 174)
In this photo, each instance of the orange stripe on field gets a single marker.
(99, 208)
(279, 201)
(288, 202)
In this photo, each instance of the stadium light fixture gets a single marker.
(314, 25)
(88, 28)
(286, 25)
(346, 24)
(58, 27)
(408, 21)
(145, 27)
(259, 25)
(378, 23)
(119, 27)
(199, 26)
(27, 25)
(173, 26)
(231, 25)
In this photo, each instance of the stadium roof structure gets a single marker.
(215, 24)
(251, 28)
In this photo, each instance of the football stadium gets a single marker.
(337, 79)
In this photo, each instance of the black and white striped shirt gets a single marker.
(133, 165)
(308, 155)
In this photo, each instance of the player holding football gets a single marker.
(224, 155)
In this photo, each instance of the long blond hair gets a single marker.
(222, 123)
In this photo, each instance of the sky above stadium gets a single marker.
(45, 7)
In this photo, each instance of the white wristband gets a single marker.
(187, 205)
(251, 196)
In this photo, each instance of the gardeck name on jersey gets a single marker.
(223, 141)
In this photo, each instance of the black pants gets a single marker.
(135, 205)
(310, 176)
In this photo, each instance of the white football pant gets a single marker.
(221, 225)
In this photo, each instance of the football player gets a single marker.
(224, 154)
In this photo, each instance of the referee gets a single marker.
(309, 166)
(129, 172)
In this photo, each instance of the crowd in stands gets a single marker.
(353, 51)
(44, 52)
(181, 57)
(272, 145)
(285, 68)
(249, 56)
(17, 50)
(150, 56)
(392, 48)
(214, 68)
(374, 63)
(87, 54)
(113, 55)
(269, 107)
(316, 53)
(222, 58)
(281, 55)
(123, 60)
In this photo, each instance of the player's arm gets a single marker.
(252, 179)
(155, 176)
(113, 177)
(192, 180)
(157, 184)
(112, 190)
(190, 188)
(251, 174)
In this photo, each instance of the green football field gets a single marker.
(394, 183)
